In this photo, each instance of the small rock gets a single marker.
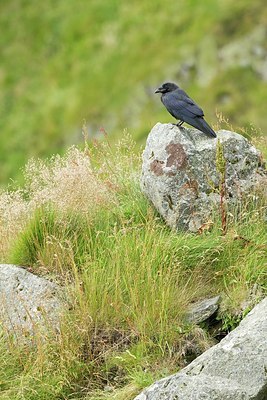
(108, 388)
(202, 310)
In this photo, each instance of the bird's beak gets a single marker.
(159, 90)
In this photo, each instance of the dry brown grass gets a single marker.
(67, 183)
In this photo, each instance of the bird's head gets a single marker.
(167, 87)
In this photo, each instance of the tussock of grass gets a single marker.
(66, 182)
(128, 277)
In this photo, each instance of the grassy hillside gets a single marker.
(81, 220)
(63, 62)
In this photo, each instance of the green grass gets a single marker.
(100, 61)
(129, 279)
(83, 222)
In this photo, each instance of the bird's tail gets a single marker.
(204, 127)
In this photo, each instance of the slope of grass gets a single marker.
(128, 277)
(100, 61)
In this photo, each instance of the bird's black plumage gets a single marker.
(183, 108)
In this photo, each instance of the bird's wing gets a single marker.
(180, 99)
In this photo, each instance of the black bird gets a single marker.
(183, 108)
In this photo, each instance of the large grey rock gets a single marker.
(180, 176)
(234, 369)
(27, 301)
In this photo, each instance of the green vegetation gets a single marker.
(79, 218)
(128, 277)
(65, 62)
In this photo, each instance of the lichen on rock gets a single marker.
(182, 178)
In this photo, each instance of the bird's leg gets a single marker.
(180, 123)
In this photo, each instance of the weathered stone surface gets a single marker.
(234, 369)
(26, 300)
(202, 310)
(180, 177)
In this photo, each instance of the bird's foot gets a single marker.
(179, 124)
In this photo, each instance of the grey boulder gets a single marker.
(234, 369)
(180, 174)
(27, 302)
